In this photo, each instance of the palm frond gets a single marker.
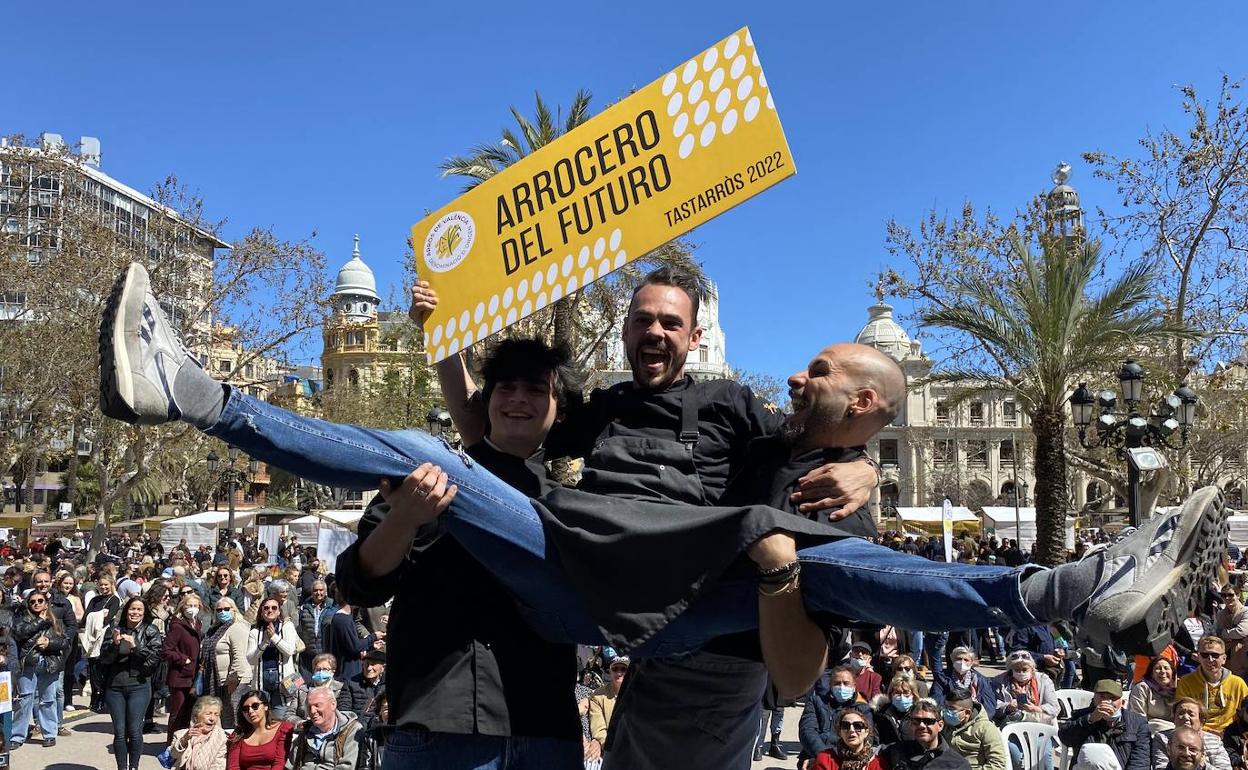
(578, 111)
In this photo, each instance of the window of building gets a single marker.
(249, 371)
(225, 366)
(977, 413)
(944, 451)
(1009, 414)
(977, 454)
(1005, 451)
(888, 452)
(702, 355)
(329, 378)
(353, 378)
(942, 413)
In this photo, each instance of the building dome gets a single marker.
(356, 278)
(883, 333)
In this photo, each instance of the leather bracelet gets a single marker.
(780, 575)
(787, 587)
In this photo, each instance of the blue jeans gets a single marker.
(127, 704)
(502, 529)
(409, 749)
(36, 697)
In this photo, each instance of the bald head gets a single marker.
(846, 394)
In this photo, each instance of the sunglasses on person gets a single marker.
(224, 608)
(1227, 595)
(905, 668)
(925, 721)
(854, 726)
(1211, 655)
(36, 602)
(253, 706)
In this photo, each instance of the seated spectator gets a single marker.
(853, 748)
(1105, 721)
(1188, 712)
(202, 745)
(259, 739)
(373, 739)
(1186, 750)
(1039, 641)
(833, 692)
(963, 675)
(1212, 684)
(323, 670)
(1231, 624)
(602, 702)
(972, 734)
(1023, 694)
(928, 750)
(360, 692)
(328, 740)
(1153, 696)
(867, 682)
(904, 665)
(1235, 739)
(891, 713)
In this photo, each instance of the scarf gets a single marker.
(1163, 692)
(203, 750)
(855, 760)
(208, 654)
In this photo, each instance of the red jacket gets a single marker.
(828, 760)
(181, 643)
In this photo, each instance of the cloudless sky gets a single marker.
(333, 116)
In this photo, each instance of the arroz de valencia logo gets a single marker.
(449, 241)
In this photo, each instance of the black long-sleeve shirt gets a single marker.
(460, 658)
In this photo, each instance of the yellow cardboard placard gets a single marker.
(685, 148)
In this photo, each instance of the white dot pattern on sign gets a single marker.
(708, 133)
(522, 289)
(699, 115)
(729, 122)
(738, 66)
(691, 69)
(567, 266)
(717, 80)
(551, 274)
(770, 104)
(450, 328)
(669, 84)
(762, 80)
(674, 103)
(483, 331)
(681, 124)
(723, 99)
(755, 59)
(511, 316)
(686, 146)
(749, 39)
(528, 308)
(494, 300)
(582, 257)
(508, 296)
(731, 46)
(600, 246)
(496, 324)
(468, 339)
(587, 277)
(537, 285)
(572, 284)
(613, 242)
(744, 87)
(452, 347)
(479, 313)
(709, 60)
(556, 293)
(695, 91)
(620, 259)
(751, 108)
(541, 301)
(436, 337)
(604, 267)
(441, 354)
(463, 320)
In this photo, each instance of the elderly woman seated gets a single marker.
(324, 666)
(201, 746)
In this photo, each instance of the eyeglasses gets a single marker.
(1211, 655)
(252, 706)
(36, 602)
(925, 721)
(854, 726)
(619, 669)
(270, 608)
(224, 609)
(906, 668)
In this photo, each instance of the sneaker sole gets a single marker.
(1168, 603)
(116, 379)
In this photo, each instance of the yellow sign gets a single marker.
(685, 148)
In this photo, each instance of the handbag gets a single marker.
(291, 684)
(165, 758)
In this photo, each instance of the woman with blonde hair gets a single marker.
(223, 654)
(68, 586)
(905, 666)
(202, 746)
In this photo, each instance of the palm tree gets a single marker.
(1043, 330)
(572, 321)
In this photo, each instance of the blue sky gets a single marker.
(332, 117)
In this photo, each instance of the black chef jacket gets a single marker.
(461, 660)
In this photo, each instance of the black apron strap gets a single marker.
(689, 404)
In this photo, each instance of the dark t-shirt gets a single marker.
(729, 416)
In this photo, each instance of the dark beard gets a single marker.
(791, 433)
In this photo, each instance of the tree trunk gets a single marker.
(100, 531)
(71, 473)
(1048, 425)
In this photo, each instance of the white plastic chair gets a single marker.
(1070, 701)
(1031, 736)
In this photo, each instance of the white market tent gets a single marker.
(1000, 520)
(200, 528)
(927, 519)
(1237, 521)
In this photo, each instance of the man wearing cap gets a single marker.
(360, 691)
(602, 701)
(1213, 685)
(868, 683)
(1106, 721)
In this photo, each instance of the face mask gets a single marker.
(321, 677)
(842, 692)
(190, 613)
(952, 718)
(857, 664)
(224, 616)
(903, 702)
(961, 666)
(1022, 676)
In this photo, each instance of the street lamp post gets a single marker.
(232, 477)
(1133, 433)
(438, 420)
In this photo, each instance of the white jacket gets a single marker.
(258, 641)
(92, 634)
